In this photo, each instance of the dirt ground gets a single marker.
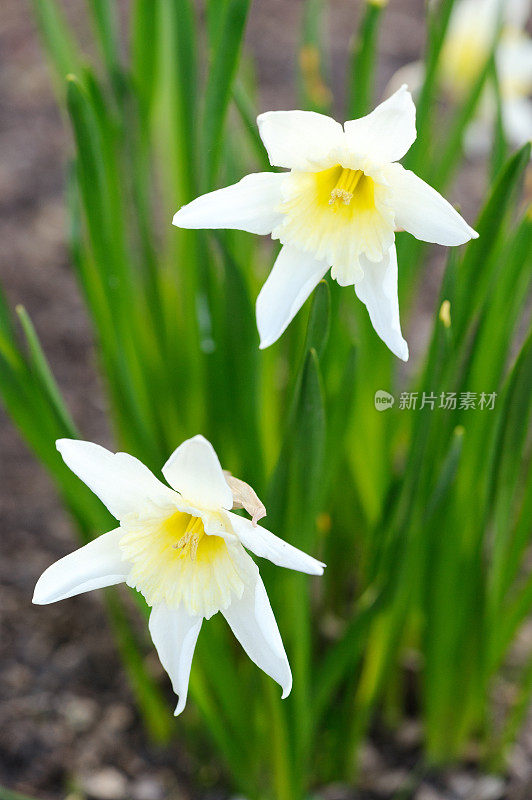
(67, 723)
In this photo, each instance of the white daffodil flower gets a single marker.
(183, 548)
(473, 29)
(337, 208)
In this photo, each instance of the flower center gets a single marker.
(345, 186)
(341, 187)
(188, 543)
(338, 215)
(174, 561)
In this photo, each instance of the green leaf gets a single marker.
(219, 83)
(451, 150)
(473, 274)
(505, 468)
(292, 508)
(319, 319)
(145, 51)
(44, 375)
(248, 114)
(362, 68)
(315, 92)
(61, 47)
(106, 27)
(438, 18)
(500, 145)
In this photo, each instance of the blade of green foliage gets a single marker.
(248, 114)
(106, 27)
(292, 509)
(438, 18)
(44, 375)
(60, 45)
(315, 93)
(500, 145)
(363, 61)
(473, 273)
(145, 51)
(219, 83)
(506, 466)
(453, 143)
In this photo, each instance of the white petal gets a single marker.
(249, 205)
(388, 132)
(267, 545)
(99, 563)
(292, 279)
(194, 471)
(253, 623)
(122, 482)
(517, 115)
(175, 633)
(299, 139)
(423, 212)
(378, 291)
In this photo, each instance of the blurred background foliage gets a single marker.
(422, 514)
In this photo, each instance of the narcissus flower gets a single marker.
(473, 30)
(183, 548)
(337, 208)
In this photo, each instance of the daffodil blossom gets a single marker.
(337, 208)
(183, 548)
(473, 29)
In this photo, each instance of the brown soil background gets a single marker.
(67, 723)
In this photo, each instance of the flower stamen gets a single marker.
(345, 187)
(190, 540)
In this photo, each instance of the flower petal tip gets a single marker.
(403, 352)
(179, 707)
(177, 219)
(286, 690)
(41, 595)
(62, 443)
(38, 599)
